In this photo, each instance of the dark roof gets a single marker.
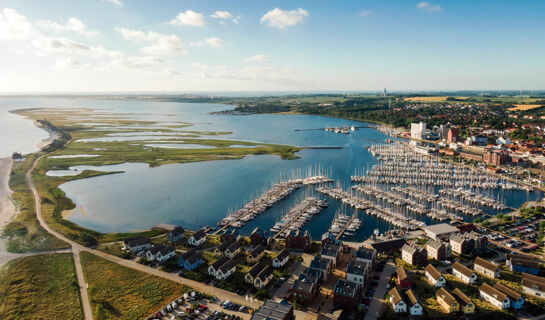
(445, 295)
(177, 231)
(256, 269)
(462, 269)
(388, 245)
(533, 278)
(188, 254)
(536, 285)
(320, 263)
(461, 296)
(396, 297)
(365, 253)
(330, 250)
(199, 234)
(166, 250)
(433, 272)
(265, 273)
(305, 283)
(230, 264)
(234, 246)
(272, 310)
(194, 258)
(356, 267)
(223, 246)
(136, 241)
(256, 251)
(508, 291)
(218, 263)
(486, 264)
(314, 272)
(345, 288)
(526, 262)
(282, 254)
(156, 249)
(493, 292)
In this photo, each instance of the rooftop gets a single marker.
(365, 253)
(396, 297)
(330, 250)
(462, 269)
(441, 228)
(445, 295)
(356, 267)
(461, 296)
(432, 272)
(492, 292)
(272, 310)
(345, 288)
(508, 291)
(485, 264)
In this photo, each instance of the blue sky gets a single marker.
(181, 46)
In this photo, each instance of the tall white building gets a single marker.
(418, 130)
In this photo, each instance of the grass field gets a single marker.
(524, 107)
(117, 292)
(24, 232)
(40, 287)
(430, 99)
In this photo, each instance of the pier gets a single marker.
(296, 214)
(323, 129)
(343, 230)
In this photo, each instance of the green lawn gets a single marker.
(40, 287)
(118, 292)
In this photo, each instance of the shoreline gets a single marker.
(7, 208)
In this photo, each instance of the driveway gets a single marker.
(377, 304)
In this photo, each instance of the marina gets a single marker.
(299, 215)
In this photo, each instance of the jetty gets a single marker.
(298, 216)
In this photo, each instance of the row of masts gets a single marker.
(299, 215)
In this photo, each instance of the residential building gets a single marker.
(471, 155)
(522, 263)
(323, 265)
(219, 251)
(485, 267)
(463, 273)
(414, 255)
(272, 310)
(494, 158)
(447, 301)
(176, 234)
(190, 260)
(304, 288)
(136, 244)
(251, 275)
(214, 267)
(230, 236)
(258, 237)
(331, 252)
(356, 272)
(418, 130)
(281, 258)
(255, 254)
(226, 270)
(233, 249)
(466, 305)
(441, 231)
(497, 298)
(390, 246)
(151, 254)
(298, 240)
(345, 294)
(165, 253)
(398, 304)
(452, 135)
(329, 237)
(197, 238)
(403, 279)
(264, 277)
(438, 250)
(434, 276)
(367, 255)
(415, 308)
(533, 285)
(459, 244)
(516, 301)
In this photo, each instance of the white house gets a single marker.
(355, 272)
(136, 244)
(214, 267)
(281, 259)
(397, 302)
(533, 285)
(497, 298)
(463, 273)
(415, 308)
(264, 277)
(226, 270)
(151, 254)
(165, 254)
(434, 276)
(197, 238)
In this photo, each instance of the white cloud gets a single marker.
(258, 58)
(160, 44)
(118, 3)
(188, 18)
(426, 6)
(365, 13)
(73, 24)
(69, 63)
(221, 15)
(14, 26)
(136, 62)
(236, 20)
(215, 42)
(278, 18)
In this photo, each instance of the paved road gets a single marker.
(77, 248)
(377, 304)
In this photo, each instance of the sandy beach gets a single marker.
(7, 209)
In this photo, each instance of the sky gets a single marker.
(63, 46)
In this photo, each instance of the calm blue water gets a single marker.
(197, 194)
